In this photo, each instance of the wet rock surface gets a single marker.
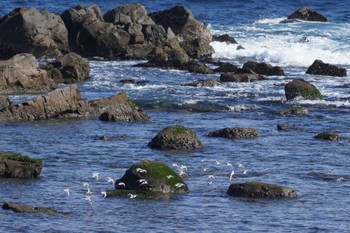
(235, 133)
(14, 165)
(22, 208)
(301, 88)
(294, 111)
(321, 68)
(306, 14)
(327, 136)
(263, 68)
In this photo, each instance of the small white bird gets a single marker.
(231, 175)
(245, 171)
(143, 182)
(211, 177)
(95, 175)
(240, 165)
(229, 165)
(203, 160)
(86, 184)
(175, 165)
(110, 180)
(132, 196)
(88, 198)
(88, 190)
(140, 170)
(205, 169)
(66, 191)
(218, 162)
(121, 184)
(182, 174)
(104, 194)
(179, 185)
(169, 177)
(183, 168)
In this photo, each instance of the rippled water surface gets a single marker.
(72, 151)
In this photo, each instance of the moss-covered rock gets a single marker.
(327, 136)
(301, 88)
(149, 180)
(17, 166)
(21, 208)
(260, 190)
(235, 133)
(175, 138)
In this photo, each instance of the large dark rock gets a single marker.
(235, 133)
(150, 180)
(68, 103)
(327, 136)
(244, 77)
(320, 68)
(225, 67)
(17, 166)
(263, 68)
(198, 48)
(70, 68)
(306, 14)
(301, 88)
(260, 190)
(90, 36)
(21, 208)
(225, 38)
(31, 31)
(175, 138)
(21, 74)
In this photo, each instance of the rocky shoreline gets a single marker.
(172, 38)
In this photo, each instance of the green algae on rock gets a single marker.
(175, 138)
(301, 88)
(149, 180)
(14, 165)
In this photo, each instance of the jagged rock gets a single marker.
(260, 190)
(70, 68)
(263, 68)
(175, 138)
(210, 82)
(21, 74)
(68, 103)
(235, 133)
(90, 36)
(225, 38)
(4, 102)
(198, 48)
(285, 127)
(306, 14)
(150, 180)
(320, 68)
(31, 31)
(21, 208)
(302, 88)
(182, 22)
(294, 111)
(225, 67)
(244, 77)
(327, 136)
(17, 166)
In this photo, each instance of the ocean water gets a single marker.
(72, 151)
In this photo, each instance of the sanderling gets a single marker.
(140, 170)
(211, 177)
(86, 184)
(231, 175)
(66, 191)
(88, 198)
(121, 184)
(110, 180)
(131, 196)
(229, 165)
(169, 177)
(143, 182)
(88, 190)
(104, 194)
(179, 185)
(95, 175)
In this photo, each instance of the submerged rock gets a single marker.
(21, 208)
(224, 38)
(241, 77)
(301, 88)
(327, 177)
(235, 133)
(294, 111)
(32, 31)
(68, 103)
(260, 190)
(175, 138)
(210, 82)
(327, 136)
(17, 166)
(321, 68)
(225, 67)
(70, 68)
(150, 180)
(263, 68)
(20, 74)
(306, 14)
(285, 127)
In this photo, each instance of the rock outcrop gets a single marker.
(241, 77)
(327, 136)
(210, 82)
(150, 180)
(306, 14)
(21, 208)
(70, 68)
(294, 111)
(90, 36)
(224, 38)
(20, 74)
(17, 166)
(175, 138)
(263, 68)
(321, 68)
(68, 103)
(32, 31)
(260, 190)
(235, 133)
(302, 88)
(225, 67)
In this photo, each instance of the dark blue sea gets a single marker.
(72, 151)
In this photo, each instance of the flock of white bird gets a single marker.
(182, 170)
